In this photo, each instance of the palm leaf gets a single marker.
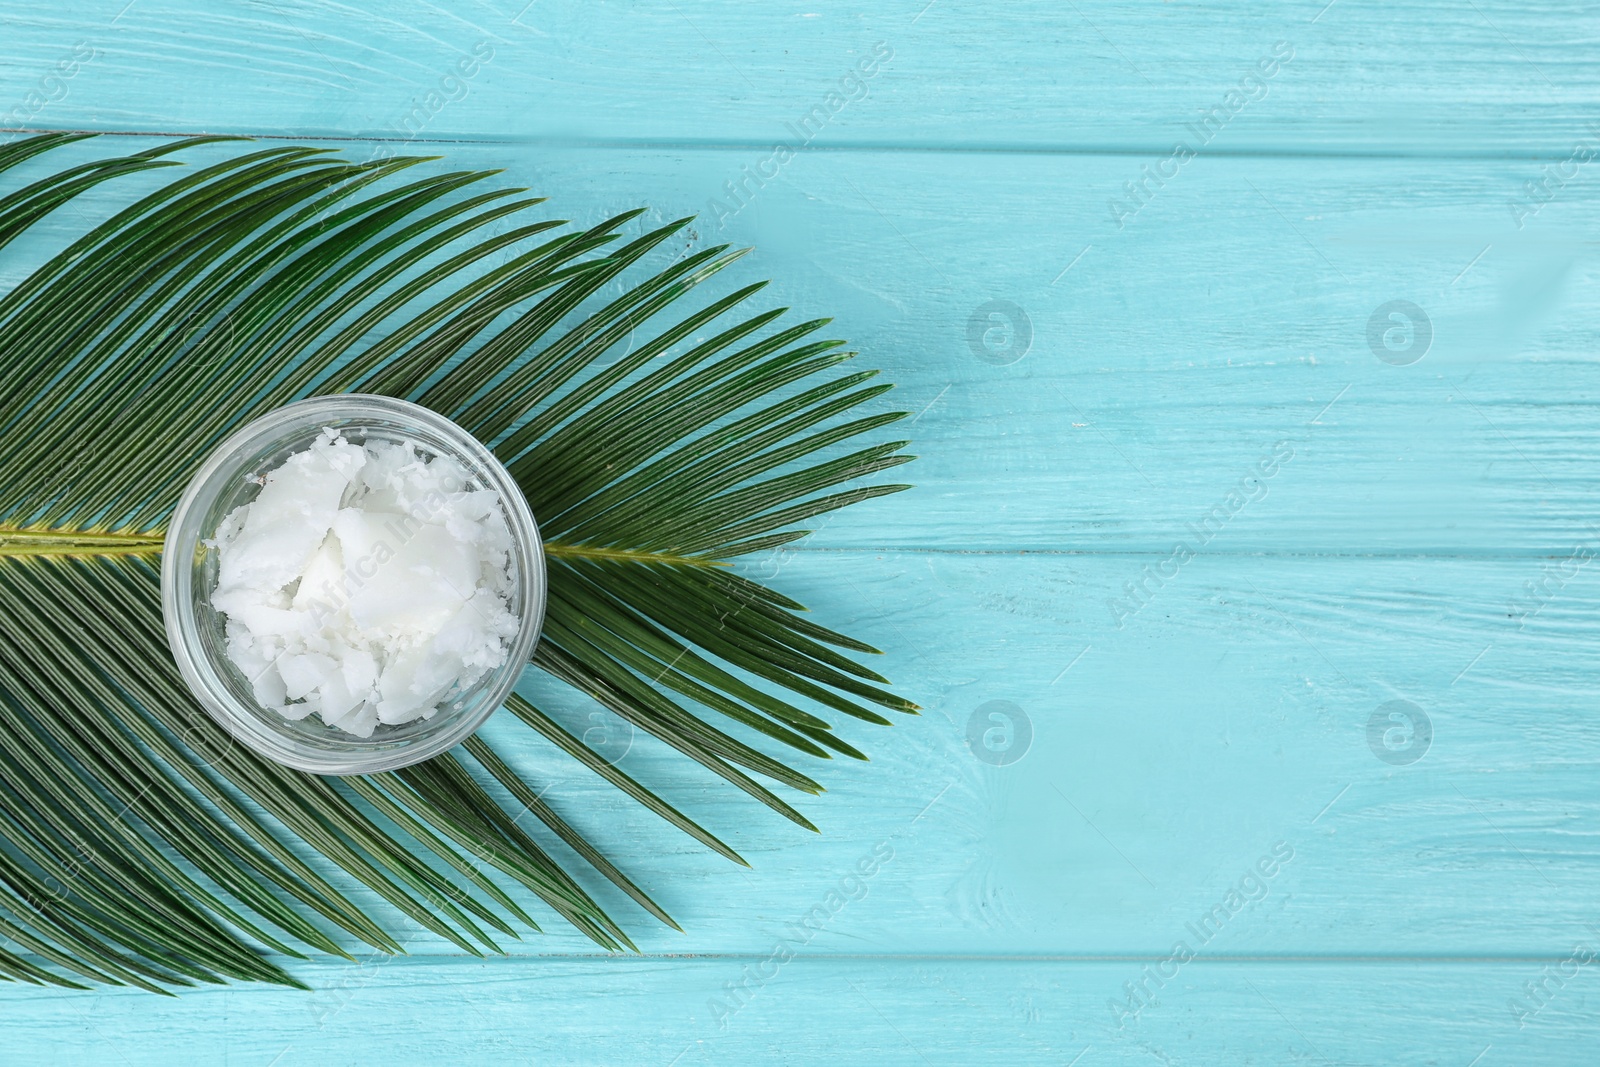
(138, 844)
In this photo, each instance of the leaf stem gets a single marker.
(16, 542)
(25, 541)
(564, 551)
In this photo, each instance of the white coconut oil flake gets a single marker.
(366, 584)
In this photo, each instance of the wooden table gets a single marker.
(1248, 584)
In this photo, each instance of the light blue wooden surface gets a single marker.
(1176, 739)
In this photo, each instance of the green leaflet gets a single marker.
(138, 844)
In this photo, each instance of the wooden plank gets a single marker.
(841, 1010)
(1226, 325)
(1229, 717)
(1362, 76)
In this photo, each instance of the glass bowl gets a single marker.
(196, 630)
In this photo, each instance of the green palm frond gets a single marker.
(138, 844)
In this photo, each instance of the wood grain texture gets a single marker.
(833, 1010)
(1432, 78)
(1207, 656)
(1232, 314)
